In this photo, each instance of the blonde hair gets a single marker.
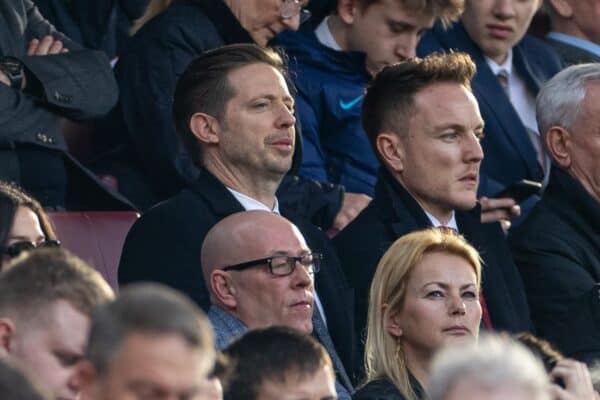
(384, 356)
(154, 8)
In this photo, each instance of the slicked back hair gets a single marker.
(147, 309)
(204, 86)
(37, 279)
(272, 354)
(389, 101)
(446, 11)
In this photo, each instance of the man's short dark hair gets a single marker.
(150, 309)
(16, 385)
(271, 354)
(204, 86)
(39, 278)
(389, 101)
(446, 10)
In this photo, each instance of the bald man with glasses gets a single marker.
(260, 273)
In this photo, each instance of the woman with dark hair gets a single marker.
(23, 223)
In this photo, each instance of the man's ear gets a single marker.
(558, 143)
(7, 335)
(561, 7)
(223, 288)
(347, 10)
(392, 325)
(205, 128)
(390, 148)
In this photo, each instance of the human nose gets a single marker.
(286, 118)
(292, 23)
(504, 8)
(407, 47)
(457, 305)
(473, 151)
(302, 276)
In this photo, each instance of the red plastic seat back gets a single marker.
(96, 237)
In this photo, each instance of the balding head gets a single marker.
(254, 295)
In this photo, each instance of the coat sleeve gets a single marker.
(313, 157)
(563, 295)
(147, 78)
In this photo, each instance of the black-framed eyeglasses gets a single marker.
(291, 8)
(18, 247)
(282, 265)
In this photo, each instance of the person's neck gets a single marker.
(443, 215)
(240, 180)
(338, 31)
(417, 364)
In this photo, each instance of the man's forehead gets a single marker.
(254, 79)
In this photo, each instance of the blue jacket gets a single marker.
(331, 85)
(509, 153)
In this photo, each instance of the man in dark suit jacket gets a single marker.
(241, 133)
(144, 151)
(575, 32)
(492, 32)
(557, 248)
(44, 75)
(424, 124)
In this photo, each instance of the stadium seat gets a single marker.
(95, 236)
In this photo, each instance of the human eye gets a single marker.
(398, 27)
(479, 134)
(260, 104)
(469, 294)
(449, 136)
(434, 294)
(67, 359)
(281, 265)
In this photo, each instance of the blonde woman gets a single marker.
(425, 293)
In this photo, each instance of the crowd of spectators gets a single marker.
(340, 199)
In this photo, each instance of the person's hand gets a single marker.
(499, 209)
(4, 79)
(352, 205)
(45, 46)
(577, 380)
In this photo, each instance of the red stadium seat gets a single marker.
(95, 236)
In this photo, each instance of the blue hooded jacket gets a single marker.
(331, 85)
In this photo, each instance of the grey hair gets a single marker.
(559, 100)
(493, 362)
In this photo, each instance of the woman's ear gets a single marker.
(391, 318)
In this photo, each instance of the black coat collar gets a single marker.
(225, 22)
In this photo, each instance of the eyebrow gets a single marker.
(273, 97)
(446, 286)
(458, 127)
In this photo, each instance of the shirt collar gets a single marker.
(251, 204)
(436, 223)
(506, 66)
(576, 42)
(325, 36)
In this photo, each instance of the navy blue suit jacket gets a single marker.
(509, 153)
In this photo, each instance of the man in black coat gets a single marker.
(241, 133)
(144, 151)
(557, 248)
(43, 76)
(424, 124)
